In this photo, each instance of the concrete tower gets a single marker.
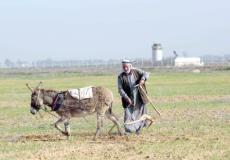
(157, 54)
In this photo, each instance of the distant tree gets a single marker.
(19, 63)
(8, 63)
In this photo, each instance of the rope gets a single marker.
(142, 118)
(50, 113)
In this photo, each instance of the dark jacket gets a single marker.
(123, 77)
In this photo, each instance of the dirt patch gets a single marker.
(58, 137)
(103, 139)
(34, 137)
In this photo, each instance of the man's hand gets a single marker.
(129, 101)
(142, 82)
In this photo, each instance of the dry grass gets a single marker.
(179, 134)
(194, 122)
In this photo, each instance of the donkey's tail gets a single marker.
(110, 108)
(111, 112)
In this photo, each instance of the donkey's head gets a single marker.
(36, 100)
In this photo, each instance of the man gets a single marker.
(132, 101)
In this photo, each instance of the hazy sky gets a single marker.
(88, 29)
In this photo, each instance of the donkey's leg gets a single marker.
(67, 128)
(98, 130)
(114, 125)
(56, 124)
(102, 120)
(114, 119)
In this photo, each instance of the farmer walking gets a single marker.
(132, 100)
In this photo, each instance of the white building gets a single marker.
(188, 61)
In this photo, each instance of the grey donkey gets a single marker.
(101, 104)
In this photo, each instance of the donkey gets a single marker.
(101, 104)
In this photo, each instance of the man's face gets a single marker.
(126, 67)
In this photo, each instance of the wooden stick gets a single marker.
(149, 100)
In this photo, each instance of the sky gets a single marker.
(107, 29)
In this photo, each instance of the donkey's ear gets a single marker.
(39, 85)
(27, 85)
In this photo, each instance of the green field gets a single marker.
(195, 121)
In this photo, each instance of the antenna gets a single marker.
(175, 54)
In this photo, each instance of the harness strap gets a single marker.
(54, 103)
(50, 113)
(59, 98)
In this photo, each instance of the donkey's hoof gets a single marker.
(122, 133)
(66, 133)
